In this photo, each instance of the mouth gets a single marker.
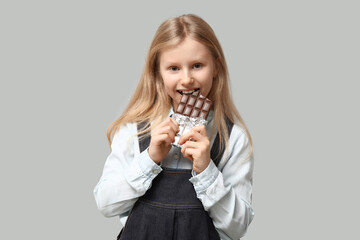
(188, 92)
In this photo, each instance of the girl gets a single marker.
(201, 190)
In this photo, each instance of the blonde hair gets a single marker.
(150, 102)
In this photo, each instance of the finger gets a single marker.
(188, 152)
(169, 125)
(167, 130)
(201, 129)
(172, 123)
(175, 126)
(191, 144)
(162, 139)
(165, 122)
(193, 135)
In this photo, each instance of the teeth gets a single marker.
(188, 92)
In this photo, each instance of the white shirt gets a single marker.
(225, 191)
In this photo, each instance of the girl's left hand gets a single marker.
(197, 149)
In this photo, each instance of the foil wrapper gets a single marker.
(186, 123)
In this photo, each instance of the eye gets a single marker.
(197, 65)
(173, 68)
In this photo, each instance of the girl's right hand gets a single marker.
(161, 138)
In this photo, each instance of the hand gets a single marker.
(196, 147)
(161, 138)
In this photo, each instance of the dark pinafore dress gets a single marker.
(170, 208)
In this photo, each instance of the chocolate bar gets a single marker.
(194, 105)
(192, 111)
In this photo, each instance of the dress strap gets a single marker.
(144, 142)
(214, 153)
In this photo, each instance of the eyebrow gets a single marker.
(195, 60)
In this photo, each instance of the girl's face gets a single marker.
(185, 68)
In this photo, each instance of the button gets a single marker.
(194, 182)
(155, 171)
(176, 156)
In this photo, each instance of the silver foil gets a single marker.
(185, 125)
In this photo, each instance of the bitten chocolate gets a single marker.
(194, 105)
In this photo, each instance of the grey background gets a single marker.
(68, 69)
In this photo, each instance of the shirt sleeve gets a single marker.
(225, 191)
(127, 174)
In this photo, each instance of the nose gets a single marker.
(187, 79)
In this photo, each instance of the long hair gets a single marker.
(150, 102)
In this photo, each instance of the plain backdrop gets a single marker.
(68, 69)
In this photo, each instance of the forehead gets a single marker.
(188, 49)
